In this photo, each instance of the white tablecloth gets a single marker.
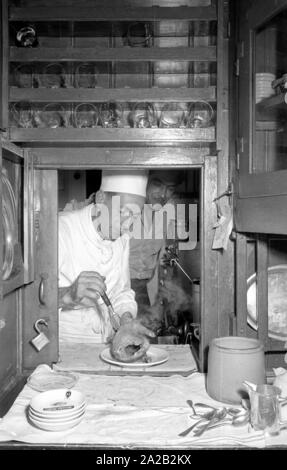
(133, 412)
(86, 358)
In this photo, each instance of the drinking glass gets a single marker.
(200, 114)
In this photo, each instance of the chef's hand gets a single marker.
(85, 290)
(130, 342)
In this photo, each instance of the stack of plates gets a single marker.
(57, 410)
(264, 85)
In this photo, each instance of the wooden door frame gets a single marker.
(103, 158)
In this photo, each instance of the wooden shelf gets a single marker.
(120, 136)
(120, 54)
(79, 95)
(276, 101)
(123, 13)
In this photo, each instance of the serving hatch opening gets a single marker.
(165, 270)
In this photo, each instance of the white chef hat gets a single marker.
(125, 181)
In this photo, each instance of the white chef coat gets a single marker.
(81, 248)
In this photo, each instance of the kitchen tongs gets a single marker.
(114, 318)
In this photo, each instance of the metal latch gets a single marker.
(228, 192)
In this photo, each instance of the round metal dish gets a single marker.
(9, 227)
(277, 302)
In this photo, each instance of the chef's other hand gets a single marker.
(84, 291)
(130, 342)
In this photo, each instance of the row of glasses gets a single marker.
(138, 34)
(56, 75)
(90, 75)
(56, 115)
(113, 115)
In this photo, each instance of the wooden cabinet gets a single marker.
(261, 196)
(129, 55)
(261, 205)
(28, 281)
(176, 56)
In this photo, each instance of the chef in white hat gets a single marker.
(94, 259)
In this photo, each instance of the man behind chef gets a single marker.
(94, 258)
(145, 252)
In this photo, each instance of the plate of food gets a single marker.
(277, 302)
(153, 357)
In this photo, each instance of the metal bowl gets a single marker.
(277, 302)
(9, 227)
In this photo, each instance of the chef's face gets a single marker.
(159, 192)
(123, 211)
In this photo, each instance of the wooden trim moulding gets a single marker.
(67, 95)
(119, 54)
(103, 157)
(118, 135)
(124, 13)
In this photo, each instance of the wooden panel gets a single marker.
(9, 392)
(226, 257)
(119, 94)
(245, 84)
(262, 215)
(94, 54)
(263, 11)
(13, 283)
(121, 136)
(265, 184)
(9, 339)
(152, 157)
(262, 290)
(116, 3)
(11, 149)
(46, 270)
(241, 285)
(114, 13)
(4, 54)
(276, 101)
(209, 261)
(263, 207)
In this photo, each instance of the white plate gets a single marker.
(155, 355)
(55, 420)
(56, 427)
(277, 302)
(57, 399)
(56, 416)
(45, 381)
(58, 412)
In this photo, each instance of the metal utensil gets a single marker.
(230, 410)
(188, 430)
(114, 317)
(234, 421)
(218, 416)
(202, 420)
(190, 403)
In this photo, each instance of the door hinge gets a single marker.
(228, 32)
(237, 67)
(240, 55)
(239, 150)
